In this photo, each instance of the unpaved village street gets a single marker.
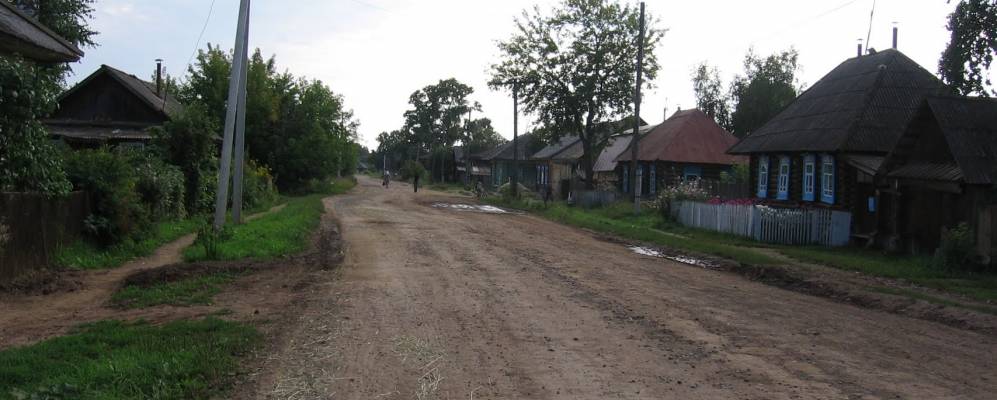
(442, 303)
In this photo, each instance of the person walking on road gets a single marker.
(415, 183)
(386, 179)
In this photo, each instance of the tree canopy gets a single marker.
(965, 63)
(578, 65)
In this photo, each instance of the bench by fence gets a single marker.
(767, 224)
(33, 228)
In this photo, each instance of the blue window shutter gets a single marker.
(809, 177)
(763, 177)
(783, 183)
(654, 179)
(827, 177)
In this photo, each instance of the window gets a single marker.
(626, 179)
(809, 177)
(827, 179)
(692, 173)
(654, 177)
(763, 176)
(783, 185)
(639, 179)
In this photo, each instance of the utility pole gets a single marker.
(221, 201)
(635, 142)
(467, 149)
(240, 134)
(515, 83)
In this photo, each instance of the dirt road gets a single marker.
(441, 303)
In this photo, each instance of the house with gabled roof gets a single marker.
(604, 169)
(943, 172)
(557, 166)
(826, 148)
(21, 34)
(689, 145)
(501, 160)
(111, 107)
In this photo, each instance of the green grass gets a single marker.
(933, 299)
(916, 270)
(281, 233)
(119, 360)
(619, 220)
(196, 290)
(83, 255)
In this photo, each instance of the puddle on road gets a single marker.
(473, 208)
(645, 251)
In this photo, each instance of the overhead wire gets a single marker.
(200, 36)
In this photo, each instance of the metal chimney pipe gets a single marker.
(895, 33)
(159, 77)
(860, 48)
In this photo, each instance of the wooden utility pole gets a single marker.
(221, 200)
(240, 134)
(515, 83)
(635, 142)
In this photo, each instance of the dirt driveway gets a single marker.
(453, 304)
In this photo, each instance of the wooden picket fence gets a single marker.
(767, 224)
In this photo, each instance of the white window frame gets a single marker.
(827, 176)
(782, 185)
(809, 177)
(763, 177)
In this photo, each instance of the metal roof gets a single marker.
(24, 35)
(689, 136)
(863, 105)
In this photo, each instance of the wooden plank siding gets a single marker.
(668, 174)
(844, 176)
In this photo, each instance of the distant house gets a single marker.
(557, 165)
(501, 160)
(111, 107)
(827, 146)
(943, 172)
(22, 34)
(688, 146)
(605, 165)
(480, 169)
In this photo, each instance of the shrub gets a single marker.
(211, 240)
(188, 141)
(685, 190)
(956, 250)
(110, 181)
(160, 186)
(258, 187)
(412, 168)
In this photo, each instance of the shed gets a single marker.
(22, 34)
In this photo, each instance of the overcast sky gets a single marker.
(377, 52)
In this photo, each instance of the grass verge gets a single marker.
(84, 256)
(119, 360)
(619, 220)
(273, 235)
(196, 290)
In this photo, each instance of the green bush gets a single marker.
(258, 189)
(188, 141)
(411, 169)
(160, 186)
(110, 180)
(956, 250)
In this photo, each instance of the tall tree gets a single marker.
(768, 85)
(965, 63)
(579, 67)
(436, 120)
(711, 97)
(482, 136)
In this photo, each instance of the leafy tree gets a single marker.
(207, 82)
(188, 141)
(578, 67)
(711, 98)
(28, 162)
(768, 85)
(965, 63)
(437, 120)
(483, 136)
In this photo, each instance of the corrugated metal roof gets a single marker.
(689, 136)
(863, 105)
(22, 34)
(928, 171)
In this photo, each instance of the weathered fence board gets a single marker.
(726, 190)
(35, 227)
(768, 224)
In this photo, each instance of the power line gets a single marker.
(200, 36)
(871, 14)
(807, 20)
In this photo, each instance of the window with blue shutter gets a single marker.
(763, 177)
(809, 177)
(783, 183)
(827, 179)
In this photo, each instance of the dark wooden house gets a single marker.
(606, 175)
(111, 107)
(826, 148)
(687, 146)
(557, 165)
(481, 170)
(501, 160)
(943, 172)
(21, 34)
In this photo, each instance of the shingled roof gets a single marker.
(24, 35)
(689, 136)
(555, 150)
(527, 145)
(616, 145)
(969, 128)
(861, 106)
(145, 91)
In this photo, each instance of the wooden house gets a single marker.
(943, 172)
(687, 146)
(21, 34)
(501, 160)
(111, 107)
(557, 165)
(480, 169)
(606, 176)
(827, 146)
